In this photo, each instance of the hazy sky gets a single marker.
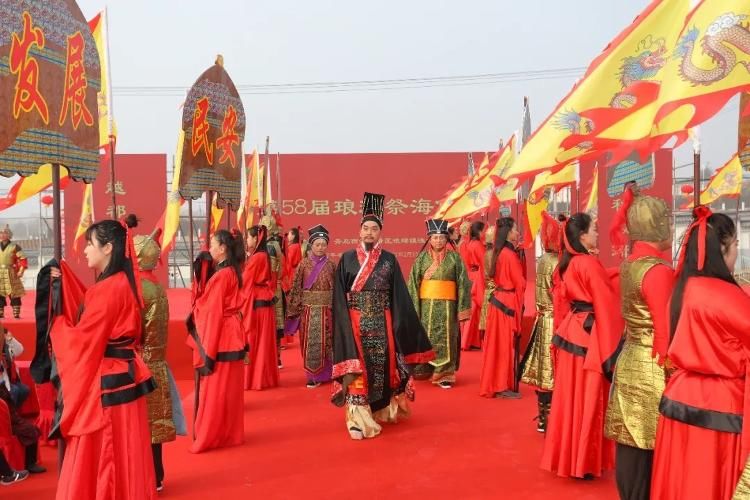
(169, 43)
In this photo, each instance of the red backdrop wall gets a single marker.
(141, 189)
(327, 189)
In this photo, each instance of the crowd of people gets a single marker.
(640, 368)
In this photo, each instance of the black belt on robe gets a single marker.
(505, 309)
(577, 306)
(122, 349)
(699, 417)
(209, 363)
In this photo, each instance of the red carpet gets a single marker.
(456, 445)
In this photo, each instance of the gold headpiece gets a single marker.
(464, 228)
(489, 235)
(6, 229)
(649, 219)
(270, 222)
(147, 250)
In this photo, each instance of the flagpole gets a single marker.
(110, 116)
(266, 171)
(278, 183)
(56, 215)
(40, 231)
(190, 218)
(209, 201)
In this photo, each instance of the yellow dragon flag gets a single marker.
(255, 183)
(87, 214)
(484, 190)
(726, 181)
(462, 187)
(533, 221)
(707, 66)
(107, 127)
(621, 80)
(174, 202)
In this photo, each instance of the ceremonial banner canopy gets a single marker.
(486, 189)
(49, 80)
(625, 78)
(213, 121)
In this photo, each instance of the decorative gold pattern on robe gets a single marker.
(278, 293)
(638, 384)
(155, 326)
(743, 486)
(538, 369)
(489, 289)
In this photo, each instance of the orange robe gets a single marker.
(219, 348)
(503, 324)
(585, 347)
(102, 380)
(259, 320)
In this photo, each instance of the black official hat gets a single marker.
(372, 208)
(317, 232)
(437, 226)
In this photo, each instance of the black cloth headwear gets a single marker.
(437, 226)
(317, 232)
(372, 208)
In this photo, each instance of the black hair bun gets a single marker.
(131, 220)
(561, 217)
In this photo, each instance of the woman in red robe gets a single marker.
(291, 263)
(475, 266)
(498, 376)
(219, 347)
(588, 338)
(701, 440)
(262, 371)
(102, 379)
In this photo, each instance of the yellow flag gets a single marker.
(534, 216)
(174, 202)
(481, 191)
(216, 216)
(726, 181)
(707, 66)
(592, 205)
(558, 180)
(620, 81)
(26, 187)
(255, 189)
(107, 127)
(87, 215)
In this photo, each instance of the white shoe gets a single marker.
(356, 434)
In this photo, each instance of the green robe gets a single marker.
(440, 317)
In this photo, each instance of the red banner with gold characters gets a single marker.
(49, 79)
(213, 120)
(327, 189)
(144, 199)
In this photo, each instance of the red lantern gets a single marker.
(47, 199)
(687, 189)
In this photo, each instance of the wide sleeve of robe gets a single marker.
(657, 290)
(607, 334)
(294, 298)
(208, 317)
(463, 290)
(415, 280)
(411, 339)
(345, 353)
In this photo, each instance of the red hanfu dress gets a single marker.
(475, 267)
(102, 383)
(503, 324)
(701, 440)
(585, 348)
(259, 324)
(219, 348)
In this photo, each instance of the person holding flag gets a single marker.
(538, 371)
(646, 282)
(498, 377)
(13, 264)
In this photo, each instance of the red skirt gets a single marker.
(575, 444)
(694, 463)
(219, 421)
(114, 462)
(263, 370)
(497, 360)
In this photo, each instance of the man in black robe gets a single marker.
(377, 333)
